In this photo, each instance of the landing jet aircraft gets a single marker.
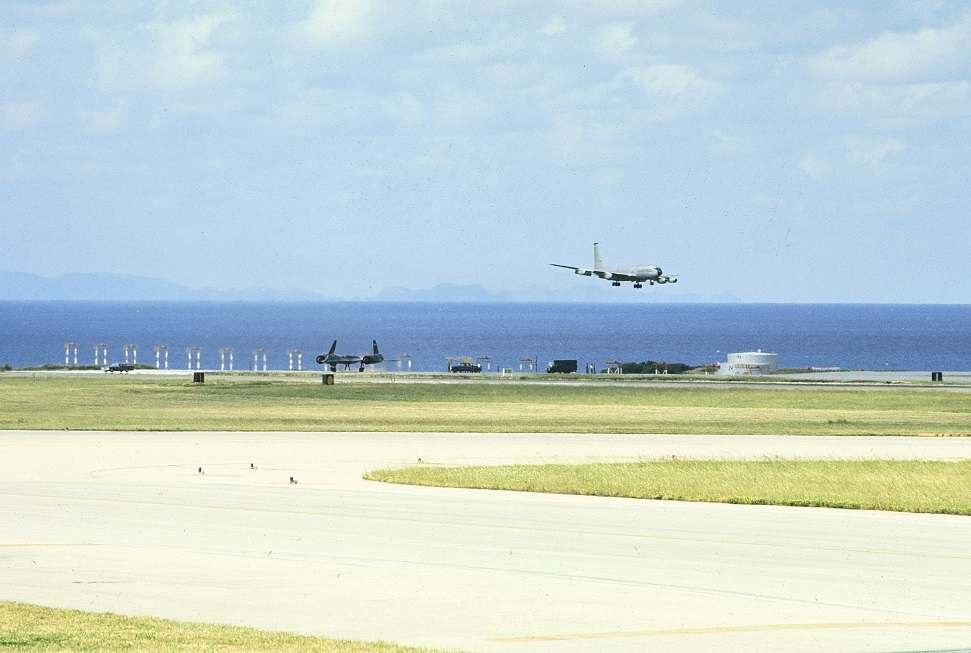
(638, 274)
(333, 360)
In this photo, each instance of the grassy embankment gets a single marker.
(906, 486)
(26, 627)
(140, 403)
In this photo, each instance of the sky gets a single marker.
(780, 151)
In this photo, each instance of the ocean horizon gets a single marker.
(850, 336)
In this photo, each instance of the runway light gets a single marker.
(159, 350)
(293, 481)
(224, 354)
(295, 355)
(257, 353)
(69, 348)
(189, 351)
(200, 471)
(101, 349)
(252, 466)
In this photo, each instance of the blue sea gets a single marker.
(863, 336)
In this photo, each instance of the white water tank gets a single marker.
(750, 363)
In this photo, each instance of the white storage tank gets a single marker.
(750, 363)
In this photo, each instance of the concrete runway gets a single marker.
(123, 522)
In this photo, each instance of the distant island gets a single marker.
(23, 286)
(443, 292)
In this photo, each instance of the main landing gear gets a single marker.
(615, 283)
(638, 285)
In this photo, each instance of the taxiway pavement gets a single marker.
(124, 522)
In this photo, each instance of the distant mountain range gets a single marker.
(443, 292)
(22, 286)
(122, 287)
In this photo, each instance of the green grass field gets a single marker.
(906, 486)
(139, 403)
(26, 627)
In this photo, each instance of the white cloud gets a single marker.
(57, 10)
(518, 75)
(185, 57)
(576, 139)
(336, 24)
(475, 52)
(107, 121)
(438, 155)
(815, 166)
(896, 105)
(308, 108)
(406, 108)
(17, 43)
(630, 100)
(179, 55)
(731, 145)
(19, 115)
(630, 7)
(552, 27)
(459, 109)
(671, 81)
(854, 157)
(873, 153)
(14, 165)
(343, 110)
(615, 40)
(924, 55)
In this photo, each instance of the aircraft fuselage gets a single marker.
(637, 274)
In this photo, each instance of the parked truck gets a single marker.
(562, 366)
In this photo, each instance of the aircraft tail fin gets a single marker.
(598, 259)
(333, 348)
(374, 347)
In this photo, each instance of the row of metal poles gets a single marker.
(193, 355)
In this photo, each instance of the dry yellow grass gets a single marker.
(30, 628)
(906, 486)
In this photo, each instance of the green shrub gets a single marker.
(653, 367)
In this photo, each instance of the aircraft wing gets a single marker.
(575, 269)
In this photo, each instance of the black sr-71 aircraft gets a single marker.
(332, 359)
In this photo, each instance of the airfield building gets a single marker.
(750, 363)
